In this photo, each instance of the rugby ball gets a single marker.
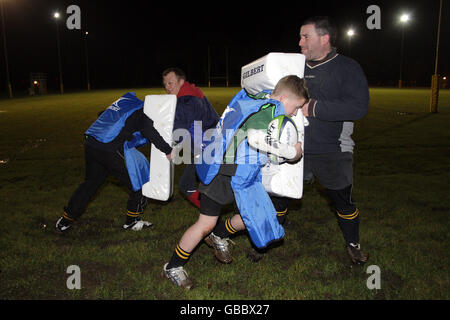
(281, 129)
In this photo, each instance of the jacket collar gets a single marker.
(330, 56)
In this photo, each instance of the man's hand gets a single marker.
(299, 149)
(305, 108)
(171, 155)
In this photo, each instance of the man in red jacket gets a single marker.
(192, 105)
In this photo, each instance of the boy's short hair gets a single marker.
(178, 72)
(293, 84)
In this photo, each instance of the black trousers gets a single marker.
(188, 182)
(100, 164)
(335, 173)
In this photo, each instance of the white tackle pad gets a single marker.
(161, 109)
(263, 74)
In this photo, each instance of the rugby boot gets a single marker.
(221, 247)
(255, 255)
(64, 223)
(137, 224)
(355, 253)
(178, 276)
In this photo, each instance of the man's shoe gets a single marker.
(178, 276)
(221, 247)
(63, 224)
(137, 224)
(355, 253)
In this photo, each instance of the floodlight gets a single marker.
(404, 18)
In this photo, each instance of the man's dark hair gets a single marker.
(178, 72)
(323, 26)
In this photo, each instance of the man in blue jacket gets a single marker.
(110, 149)
(192, 106)
(339, 95)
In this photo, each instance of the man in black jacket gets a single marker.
(192, 106)
(339, 95)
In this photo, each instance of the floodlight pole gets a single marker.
(350, 46)
(400, 84)
(350, 34)
(61, 85)
(435, 78)
(8, 80)
(87, 60)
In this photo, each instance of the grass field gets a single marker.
(402, 173)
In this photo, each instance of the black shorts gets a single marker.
(334, 171)
(209, 207)
(218, 193)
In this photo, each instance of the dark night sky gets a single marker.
(131, 42)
